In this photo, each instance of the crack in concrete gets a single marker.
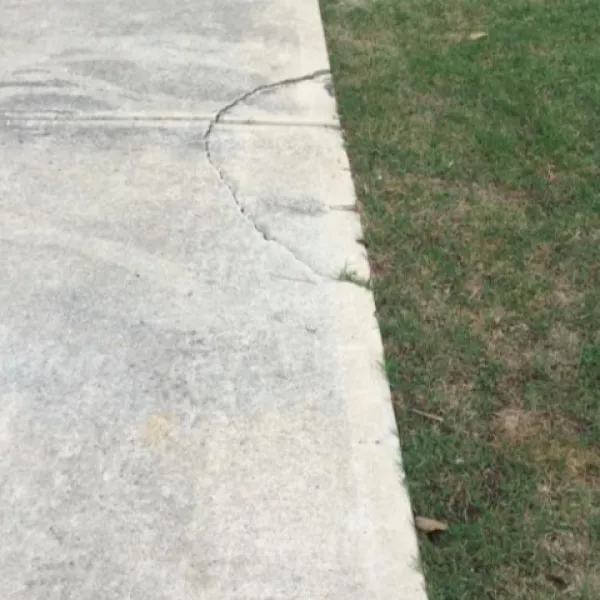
(221, 174)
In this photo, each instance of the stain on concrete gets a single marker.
(159, 429)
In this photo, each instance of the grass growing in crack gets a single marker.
(352, 277)
(477, 164)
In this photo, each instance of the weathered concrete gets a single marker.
(191, 401)
(186, 59)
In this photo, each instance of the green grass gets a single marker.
(350, 276)
(477, 165)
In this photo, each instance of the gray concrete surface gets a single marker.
(191, 402)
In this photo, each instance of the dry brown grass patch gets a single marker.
(564, 346)
(516, 425)
(470, 208)
(384, 42)
(551, 437)
(570, 562)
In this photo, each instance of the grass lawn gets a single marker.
(473, 129)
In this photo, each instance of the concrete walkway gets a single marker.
(192, 405)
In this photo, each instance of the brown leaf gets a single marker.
(477, 35)
(427, 525)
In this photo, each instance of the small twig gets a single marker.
(427, 415)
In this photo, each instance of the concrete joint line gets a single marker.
(145, 120)
(218, 118)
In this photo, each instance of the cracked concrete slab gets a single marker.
(306, 168)
(191, 403)
(307, 101)
(294, 186)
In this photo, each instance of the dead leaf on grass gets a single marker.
(427, 525)
(477, 35)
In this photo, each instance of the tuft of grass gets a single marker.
(351, 276)
(477, 164)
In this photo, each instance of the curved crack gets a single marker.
(221, 174)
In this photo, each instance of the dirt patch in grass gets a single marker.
(553, 440)
(569, 568)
